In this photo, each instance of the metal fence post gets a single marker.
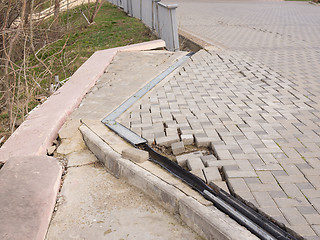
(155, 16)
(167, 25)
(159, 17)
(174, 27)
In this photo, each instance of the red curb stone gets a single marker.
(28, 190)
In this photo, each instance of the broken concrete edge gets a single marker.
(43, 124)
(210, 224)
(28, 189)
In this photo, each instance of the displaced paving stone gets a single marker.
(199, 174)
(187, 139)
(135, 155)
(182, 159)
(220, 184)
(177, 148)
(202, 141)
(167, 140)
(212, 174)
(208, 158)
(194, 163)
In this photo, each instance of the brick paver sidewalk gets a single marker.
(263, 131)
(261, 98)
(282, 35)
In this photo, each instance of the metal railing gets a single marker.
(161, 18)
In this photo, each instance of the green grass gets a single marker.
(112, 28)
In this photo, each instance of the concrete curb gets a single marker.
(24, 212)
(208, 222)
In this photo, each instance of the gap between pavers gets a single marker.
(24, 212)
(203, 218)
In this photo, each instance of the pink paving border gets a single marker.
(39, 130)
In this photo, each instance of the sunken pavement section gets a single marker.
(258, 136)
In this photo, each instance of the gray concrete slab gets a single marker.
(96, 205)
(93, 204)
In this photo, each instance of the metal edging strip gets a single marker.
(110, 120)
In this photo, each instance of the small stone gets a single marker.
(177, 148)
(51, 150)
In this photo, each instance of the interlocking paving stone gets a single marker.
(187, 139)
(194, 163)
(167, 140)
(208, 158)
(199, 174)
(263, 128)
(177, 148)
(212, 174)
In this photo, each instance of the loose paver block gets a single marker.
(182, 159)
(177, 148)
(199, 174)
(194, 163)
(187, 139)
(220, 184)
(167, 140)
(212, 174)
(208, 158)
(202, 141)
(135, 155)
(28, 190)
